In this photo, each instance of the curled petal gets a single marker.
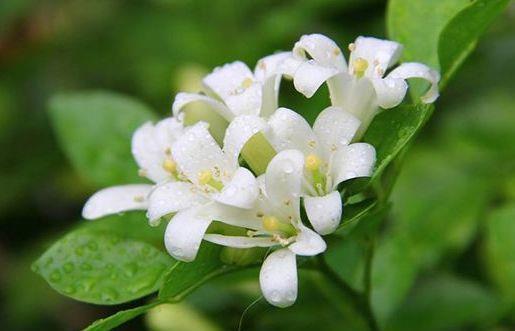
(242, 191)
(172, 197)
(324, 213)
(197, 151)
(183, 99)
(418, 70)
(116, 199)
(335, 127)
(308, 242)
(380, 55)
(390, 91)
(246, 218)
(240, 242)
(278, 278)
(269, 71)
(150, 144)
(241, 129)
(310, 75)
(289, 130)
(355, 160)
(234, 84)
(184, 234)
(321, 49)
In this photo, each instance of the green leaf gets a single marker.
(499, 247)
(460, 35)
(184, 277)
(418, 24)
(95, 130)
(120, 317)
(446, 302)
(97, 265)
(437, 204)
(392, 130)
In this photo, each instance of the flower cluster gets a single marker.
(198, 181)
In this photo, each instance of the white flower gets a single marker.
(329, 158)
(276, 222)
(233, 89)
(211, 182)
(361, 86)
(151, 148)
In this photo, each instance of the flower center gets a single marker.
(206, 178)
(360, 65)
(273, 224)
(314, 165)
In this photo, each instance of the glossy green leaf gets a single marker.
(446, 302)
(460, 35)
(392, 130)
(499, 247)
(120, 317)
(184, 277)
(95, 130)
(418, 24)
(102, 267)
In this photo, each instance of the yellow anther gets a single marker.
(170, 166)
(270, 223)
(247, 82)
(360, 66)
(352, 47)
(139, 199)
(205, 177)
(336, 51)
(313, 162)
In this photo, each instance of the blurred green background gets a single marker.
(446, 258)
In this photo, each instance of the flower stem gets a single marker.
(360, 301)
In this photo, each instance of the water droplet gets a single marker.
(109, 294)
(68, 267)
(79, 251)
(69, 289)
(55, 276)
(86, 266)
(130, 269)
(92, 245)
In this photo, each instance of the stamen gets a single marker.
(206, 178)
(247, 82)
(312, 162)
(360, 66)
(352, 47)
(170, 166)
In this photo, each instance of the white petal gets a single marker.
(283, 180)
(324, 213)
(335, 127)
(268, 71)
(278, 278)
(172, 197)
(380, 55)
(270, 66)
(390, 91)
(290, 65)
(116, 199)
(242, 191)
(149, 145)
(234, 84)
(182, 100)
(241, 129)
(308, 243)
(184, 234)
(240, 242)
(355, 160)
(418, 70)
(310, 75)
(356, 96)
(246, 218)
(289, 130)
(197, 151)
(321, 49)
